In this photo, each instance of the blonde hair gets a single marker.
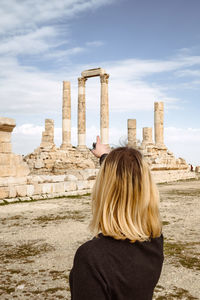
(125, 199)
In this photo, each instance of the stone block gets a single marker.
(17, 180)
(93, 72)
(82, 184)
(37, 189)
(39, 164)
(89, 173)
(197, 169)
(6, 158)
(12, 200)
(47, 188)
(12, 191)
(30, 190)
(58, 187)
(7, 171)
(3, 181)
(70, 178)
(21, 190)
(57, 178)
(7, 124)
(22, 170)
(5, 137)
(90, 184)
(69, 186)
(5, 148)
(33, 179)
(4, 192)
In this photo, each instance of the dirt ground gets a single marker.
(38, 241)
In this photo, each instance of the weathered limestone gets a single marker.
(197, 169)
(48, 134)
(157, 155)
(132, 141)
(57, 161)
(11, 165)
(6, 127)
(104, 110)
(147, 136)
(93, 72)
(66, 116)
(158, 123)
(81, 113)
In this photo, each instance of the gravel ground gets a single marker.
(38, 241)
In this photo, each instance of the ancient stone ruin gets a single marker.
(156, 154)
(51, 171)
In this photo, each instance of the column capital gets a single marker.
(81, 81)
(104, 78)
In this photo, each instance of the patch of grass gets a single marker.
(58, 274)
(78, 196)
(165, 222)
(182, 254)
(24, 250)
(18, 200)
(189, 192)
(178, 293)
(7, 290)
(71, 215)
(49, 290)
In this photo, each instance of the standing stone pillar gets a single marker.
(158, 123)
(147, 136)
(6, 127)
(132, 141)
(104, 110)
(66, 116)
(11, 165)
(48, 134)
(81, 113)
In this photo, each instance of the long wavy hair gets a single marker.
(125, 199)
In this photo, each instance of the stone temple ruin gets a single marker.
(52, 171)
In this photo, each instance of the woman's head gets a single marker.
(125, 199)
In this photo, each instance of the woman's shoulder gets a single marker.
(92, 250)
(101, 244)
(91, 245)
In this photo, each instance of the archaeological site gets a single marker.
(51, 171)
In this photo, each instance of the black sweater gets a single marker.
(105, 269)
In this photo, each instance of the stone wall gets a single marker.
(173, 175)
(34, 187)
(76, 182)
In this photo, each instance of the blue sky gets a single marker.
(150, 48)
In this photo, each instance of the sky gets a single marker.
(150, 48)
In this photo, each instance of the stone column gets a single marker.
(11, 165)
(66, 116)
(81, 113)
(158, 123)
(147, 136)
(132, 141)
(104, 110)
(48, 134)
(6, 127)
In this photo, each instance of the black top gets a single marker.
(106, 268)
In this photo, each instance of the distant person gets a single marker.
(124, 259)
(191, 168)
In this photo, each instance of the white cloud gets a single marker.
(17, 16)
(28, 90)
(184, 142)
(32, 42)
